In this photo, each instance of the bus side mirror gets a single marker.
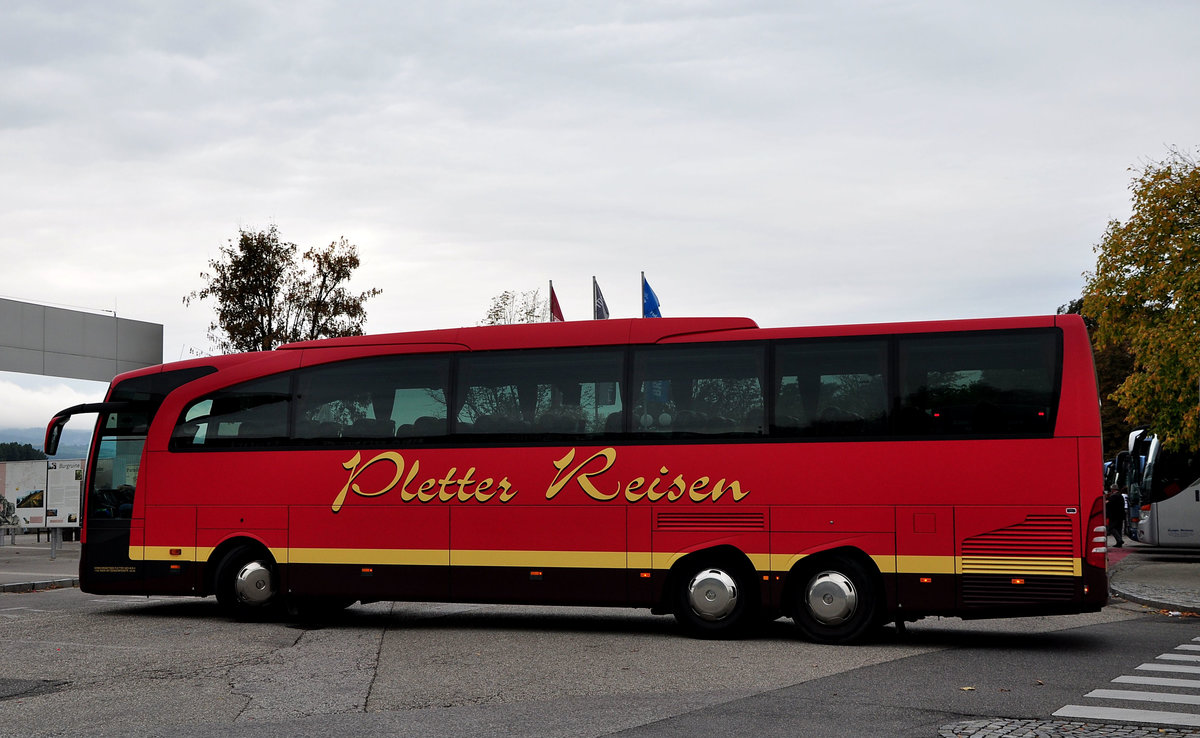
(54, 434)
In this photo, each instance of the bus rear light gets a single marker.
(367, 571)
(176, 568)
(1018, 581)
(644, 575)
(1097, 556)
(535, 576)
(177, 552)
(926, 580)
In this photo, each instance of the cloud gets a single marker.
(30, 402)
(836, 163)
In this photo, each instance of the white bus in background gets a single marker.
(1164, 491)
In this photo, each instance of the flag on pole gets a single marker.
(649, 300)
(556, 315)
(599, 306)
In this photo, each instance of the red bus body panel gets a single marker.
(957, 527)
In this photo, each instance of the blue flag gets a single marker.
(649, 300)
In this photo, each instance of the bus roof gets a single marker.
(619, 331)
(526, 335)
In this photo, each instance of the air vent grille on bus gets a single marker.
(984, 590)
(710, 521)
(1039, 535)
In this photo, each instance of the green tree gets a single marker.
(516, 307)
(19, 452)
(1145, 294)
(264, 298)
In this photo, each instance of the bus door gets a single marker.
(925, 563)
(111, 532)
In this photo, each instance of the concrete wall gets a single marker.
(56, 342)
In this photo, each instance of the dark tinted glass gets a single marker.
(394, 398)
(252, 414)
(709, 390)
(540, 394)
(831, 389)
(978, 384)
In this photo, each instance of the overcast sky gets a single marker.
(794, 162)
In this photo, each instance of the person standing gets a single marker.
(1114, 512)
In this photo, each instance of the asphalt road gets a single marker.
(83, 665)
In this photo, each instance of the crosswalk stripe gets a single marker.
(1178, 657)
(1170, 667)
(1187, 647)
(1158, 681)
(1137, 696)
(1130, 715)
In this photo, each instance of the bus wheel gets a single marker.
(835, 602)
(246, 584)
(712, 600)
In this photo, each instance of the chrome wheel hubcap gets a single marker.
(712, 594)
(831, 598)
(253, 585)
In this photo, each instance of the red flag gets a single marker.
(555, 311)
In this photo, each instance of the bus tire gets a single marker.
(836, 601)
(247, 584)
(714, 598)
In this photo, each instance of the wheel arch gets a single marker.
(724, 553)
(797, 575)
(223, 549)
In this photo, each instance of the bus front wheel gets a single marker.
(713, 599)
(246, 583)
(836, 601)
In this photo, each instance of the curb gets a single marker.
(38, 586)
(1114, 591)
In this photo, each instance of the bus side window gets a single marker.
(381, 399)
(252, 414)
(700, 389)
(979, 384)
(831, 388)
(540, 395)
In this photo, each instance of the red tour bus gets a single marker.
(842, 476)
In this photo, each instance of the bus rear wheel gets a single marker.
(246, 583)
(713, 599)
(836, 601)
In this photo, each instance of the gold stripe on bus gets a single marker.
(1027, 566)
(537, 559)
(163, 553)
(925, 565)
(369, 556)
